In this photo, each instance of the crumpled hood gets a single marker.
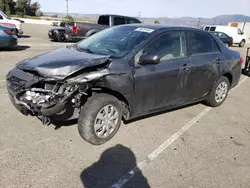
(61, 63)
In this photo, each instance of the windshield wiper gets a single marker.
(86, 50)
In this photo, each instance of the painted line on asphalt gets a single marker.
(149, 159)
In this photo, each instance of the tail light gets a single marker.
(76, 29)
(8, 32)
(241, 60)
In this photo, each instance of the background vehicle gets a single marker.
(7, 37)
(238, 36)
(81, 31)
(228, 41)
(124, 72)
(58, 33)
(243, 26)
(5, 19)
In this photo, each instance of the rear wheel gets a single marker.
(242, 43)
(219, 92)
(100, 118)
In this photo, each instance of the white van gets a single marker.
(5, 19)
(238, 36)
(243, 26)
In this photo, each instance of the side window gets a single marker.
(103, 20)
(201, 43)
(168, 46)
(206, 28)
(212, 29)
(1, 17)
(119, 21)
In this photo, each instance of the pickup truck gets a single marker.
(79, 31)
(58, 33)
(4, 19)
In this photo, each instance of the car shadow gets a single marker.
(15, 48)
(113, 164)
(24, 36)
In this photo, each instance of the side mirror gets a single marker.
(149, 59)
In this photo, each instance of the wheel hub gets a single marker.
(221, 92)
(106, 121)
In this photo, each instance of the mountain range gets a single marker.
(182, 21)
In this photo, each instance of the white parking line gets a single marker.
(164, 146)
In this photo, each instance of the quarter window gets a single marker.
(168, 46)
(1, 17)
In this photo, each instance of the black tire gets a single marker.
(242, 43)
(61, 37)
(211, 101)
(88, 115)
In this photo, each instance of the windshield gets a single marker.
(4, 15)
(116, 41)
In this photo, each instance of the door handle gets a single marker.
(185, 67)
(217, 61)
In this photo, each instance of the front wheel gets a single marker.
(61, 37)
(242, 43)
(100, 118)
(219, 92)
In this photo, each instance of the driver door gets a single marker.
(163, 84)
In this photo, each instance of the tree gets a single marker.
(156, 22)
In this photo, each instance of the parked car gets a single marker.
(238, 36)
(79, 31)
(228, 41)
(8, 37)
(124, 72)
(58, 33)
(6, 19)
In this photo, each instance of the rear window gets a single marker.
(103, 20)
(132, 20)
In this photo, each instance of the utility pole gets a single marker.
(67, 6)
(139, 14)
(214, 21)
(199, 22)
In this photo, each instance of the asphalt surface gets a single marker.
(192, 147)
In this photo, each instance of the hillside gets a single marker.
(184, 21)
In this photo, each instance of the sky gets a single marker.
(150, 8)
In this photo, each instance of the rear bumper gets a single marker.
(72, 38)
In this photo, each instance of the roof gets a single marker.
(159, 26)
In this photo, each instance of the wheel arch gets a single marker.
(124, 101)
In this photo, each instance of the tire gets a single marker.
(211, 99)
(242, 43)
(61, 37)
(88, 118)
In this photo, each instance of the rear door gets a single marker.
(206, 59)
(164, 84)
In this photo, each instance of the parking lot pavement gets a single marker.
(191, 147)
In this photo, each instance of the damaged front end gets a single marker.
(46, 99)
